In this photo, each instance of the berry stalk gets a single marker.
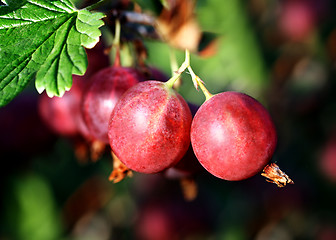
(173, 62)
(174, 67)
(196, 80)
(116, 43)
(183, 67)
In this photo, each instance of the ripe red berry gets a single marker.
(103, 92)
(233, 136)
(61, 113)
(149, 128)
(297, 20)
(189, 164)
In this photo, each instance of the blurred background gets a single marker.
(281, 52)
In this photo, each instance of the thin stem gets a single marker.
(116, 40)
(173, 62)
(174, 67)
(96, 5)
(198, 82)
(187, 57)
(183, 67)
(116, 43)
(172, 80)
(207, 94)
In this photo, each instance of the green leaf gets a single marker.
(44, 39)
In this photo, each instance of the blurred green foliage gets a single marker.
(31, 211)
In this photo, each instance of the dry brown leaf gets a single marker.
(177, 25)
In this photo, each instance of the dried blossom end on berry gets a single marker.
(273, 174)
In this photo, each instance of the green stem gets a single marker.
(177, 74)
(96, 5)
(172, 80)
(207, 94)
(173, 62)
(198, 82)
(116, 40)
(116, 43)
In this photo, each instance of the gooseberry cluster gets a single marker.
(150, 128)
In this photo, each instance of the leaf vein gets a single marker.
(46, 7)
(57, 57)
(29, 55)
(7, 82)
(66, 3)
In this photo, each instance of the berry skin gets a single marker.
(105, 89)
(62, 113)
(189, 164)
(149, 128)
(233, 136)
